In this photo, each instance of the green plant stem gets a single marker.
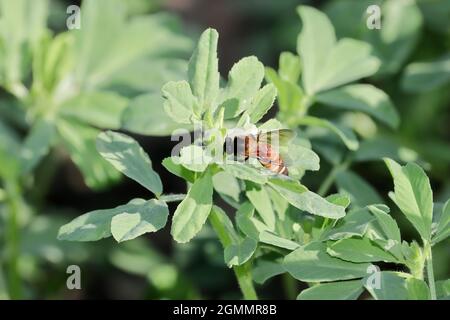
(326, 184)
(2, 195)
(430, 272)
(244, 278)
(329, 180)
(13, 238)
(45, 177)
(290, 286)
(18, 90)
(242, 272)
(172, 197)
(3, 286)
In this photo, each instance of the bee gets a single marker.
(263, 146)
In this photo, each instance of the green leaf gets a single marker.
(413, 256)
(251, 226)
(328, 145)
(426, 76)
(303, 199)
(343, 290)
(365, 98)
(280, 205)
(344, 133)
(435, 14)
(311, 263)
(300, 158)
(23, 26)
(387, 223)
(52, 61)
(360, 192)
(174, 167)
(96, 47)
(240, 252)
(349, 17)
(290, 95)
(348, 61)
(391, 286)
(38, 239)
(127, 156)
(262, 102)
(271, 124)
(394, 286)
(180, 104)
(327, 63)
(79, 140)
(359, 250)
(266, 268)
(192, 212)
(443, 228)
(96, 225)
(443, 288)
(247, 223)
(339, 199)
(355, 223)
(145, 115)
(398, 36)
(277, 241)
(37, 144)
(314, 44)
(383, 147)
(226, 184)
(93, 41)
(244, 80)
(245, 172)
(260, 199)
(100, 109)
(413, 195)
(147, 75)
(417, 289)
(136, 257)
(400, 27)
(127, 226)
(223, 226)
(289, 67)
(203, 70)
(194, 158)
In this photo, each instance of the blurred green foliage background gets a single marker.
(63, 87)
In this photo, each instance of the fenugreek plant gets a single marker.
(320, 80)
(369, 235)
(319, 77)
(59, 92)
(260, 199)
(276, 224)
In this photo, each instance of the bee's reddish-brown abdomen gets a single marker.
(244, 147)
(266, 155)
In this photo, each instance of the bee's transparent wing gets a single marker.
(276, 137)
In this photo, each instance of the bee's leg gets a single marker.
(284, 171)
